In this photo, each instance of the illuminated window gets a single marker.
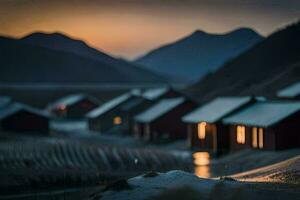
(254, 138)
(117, 120)
(260, 138)
(241, 134)
(201, 130)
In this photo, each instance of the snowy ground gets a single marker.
(164, 185)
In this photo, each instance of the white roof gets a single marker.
(215, 110)
(159, 109)
(290, 91)
(263, 114)
(16, 107)
(72, 99)
(108, 106)
(154, 93)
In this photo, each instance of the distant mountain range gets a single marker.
(199, 53)
(267, 67)
(57, 58)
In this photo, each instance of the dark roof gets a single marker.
(16, 107)
(290, 91)
(133, 103)
(263, 114)
(159, 109)
(108, 106)
(215, 109)
(72, 99)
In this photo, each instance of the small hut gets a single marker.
(131, 108)
(163, 119)
(265, 125)
(107, 116)
(290, 92)
(17, 117)
(73, 106)
(204, 127)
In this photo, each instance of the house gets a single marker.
(163, 119)
(204, 126)
(107, 116)
(265, 125)
(131, 108)
(17, 117)
(73, 106)
(290, 92)
(160, 93)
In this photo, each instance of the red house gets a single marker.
(265, 125)
(163, 120)
(204, 126)
(17, 117)
(73, 106)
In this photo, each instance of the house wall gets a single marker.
(215, 141)
(287, 133)
(128, 116)
(24, 121)
(170, 124)
(138, 130)
(234, 146)
(104, 122)
(268, 141)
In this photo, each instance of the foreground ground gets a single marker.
(277, 181)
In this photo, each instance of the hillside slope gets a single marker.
(262, 70)
(23, 62)
(199, 53)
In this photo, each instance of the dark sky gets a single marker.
(129, 28)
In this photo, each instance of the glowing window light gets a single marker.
(117, 120)
(241, 134)
(254, 137)
(201, 130)
(260, 138)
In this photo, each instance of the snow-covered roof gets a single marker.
(16, 107)
(4, 100)
(263, 114)
(72, 99)
(159, 109)
(290, 91)
(155, 93)
(108, 106)
(216, 109)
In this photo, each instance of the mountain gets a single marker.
(199, 53)
(267, 67)
(57, 58)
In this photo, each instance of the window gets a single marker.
(254, 138)
(201, 130)
(117, 120)
(261, 138)
(241, 134)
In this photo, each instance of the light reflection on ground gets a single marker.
(201, 162)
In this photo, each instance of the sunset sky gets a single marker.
(129, 28)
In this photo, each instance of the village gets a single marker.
(142, 130)
(144, 100)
